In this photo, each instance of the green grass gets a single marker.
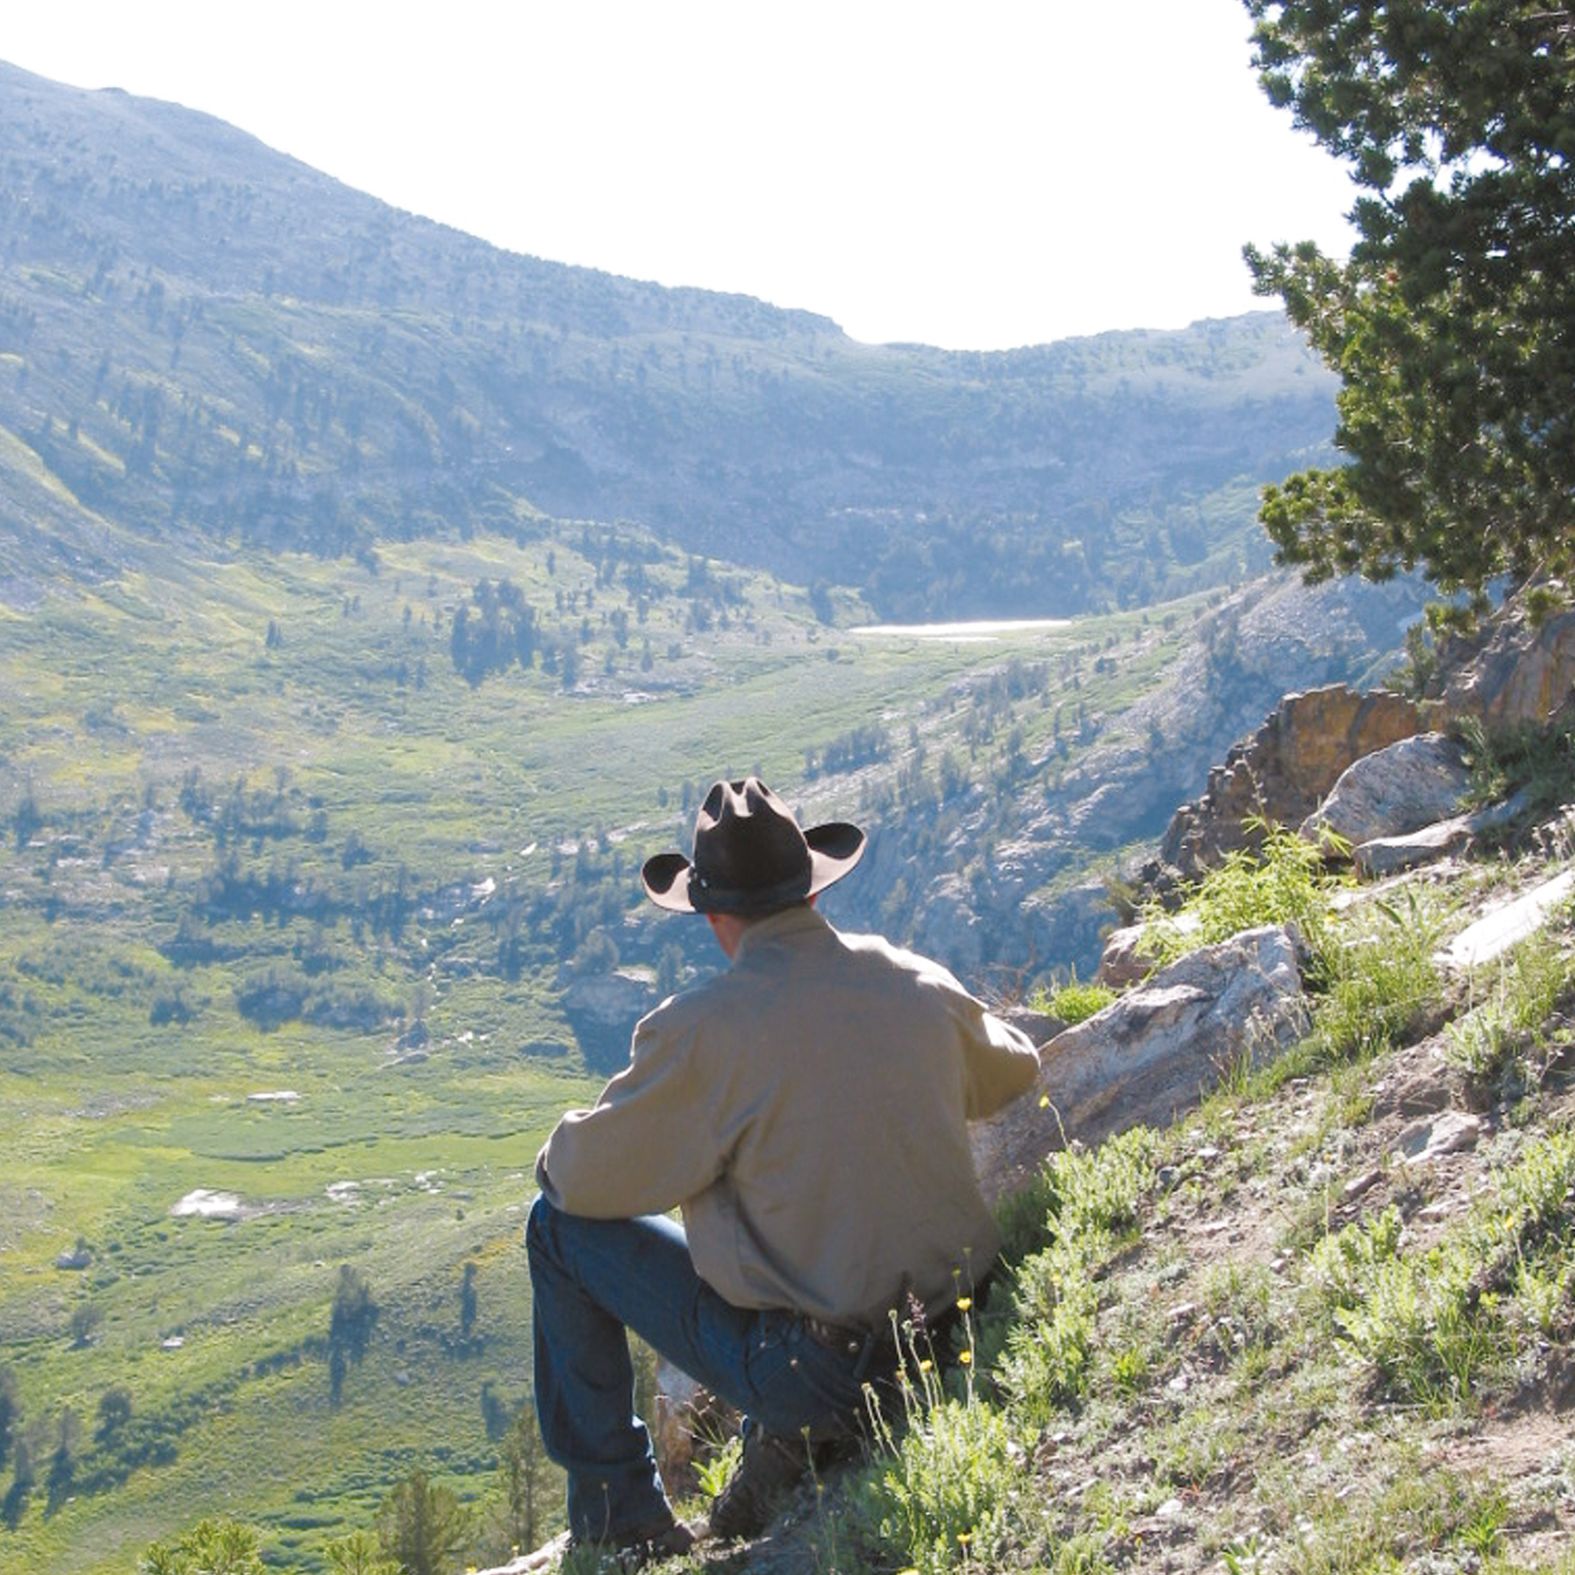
(1507, 1032)
(1075, 1001)
(357, 760)
(1300, 1402)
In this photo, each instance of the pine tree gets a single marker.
(1452, 325)
(422, 1526)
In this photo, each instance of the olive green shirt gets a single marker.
(808, 1111)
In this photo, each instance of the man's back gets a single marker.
(808, 1110)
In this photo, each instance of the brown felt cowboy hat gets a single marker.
(750, 856)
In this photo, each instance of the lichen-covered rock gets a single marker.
(1123, 961)
(1522, 674)
(1394, 791)
(1151, 1054)
(1283, 770)
(1443, 839)
(1390, 855)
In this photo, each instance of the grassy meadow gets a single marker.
(263, 838)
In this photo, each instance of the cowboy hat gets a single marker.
(750, 856)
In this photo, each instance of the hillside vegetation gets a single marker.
(203, 339)
(1322, 1325)
(316, 914)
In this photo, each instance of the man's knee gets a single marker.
(538, 1229)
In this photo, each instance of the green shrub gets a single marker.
(1498, 1031)
(1435, 1324)
(1538, 760)
(943, 1491)
(1075, 1001)
(1285, 880)
(1376, 984)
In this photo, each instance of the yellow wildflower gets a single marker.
(964, 1303)
(965, 1357)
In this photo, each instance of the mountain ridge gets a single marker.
(200, 337)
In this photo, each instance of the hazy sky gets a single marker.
(976, 176)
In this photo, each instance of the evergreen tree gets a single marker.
(529, 1481)
(23, 1477)
(359, 1554)
(354, 1313)
(63, 1462)
(422, 1526)
(1452, 325)
(211, 1547)
(114, 1411)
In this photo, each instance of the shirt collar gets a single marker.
(801, 919)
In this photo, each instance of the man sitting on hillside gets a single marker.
(807, 1110)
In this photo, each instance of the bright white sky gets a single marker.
(978, 176)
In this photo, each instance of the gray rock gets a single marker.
(1434, 1138)
(1151, 1054)
(1443, 839)
(1124, 961)
(1281, 771)
(1390, 855)
(1040, 1027)
(603, 1008)
(1394, 791)
(1495, 932)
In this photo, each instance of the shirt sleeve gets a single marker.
(646, 1146)
(1002, 1063)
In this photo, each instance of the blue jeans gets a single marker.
(592, 1280)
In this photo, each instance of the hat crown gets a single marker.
(747, 844)
(750, 856)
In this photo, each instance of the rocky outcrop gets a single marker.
(1522, 674)
(1283, 770)
(1031, 902)
(603, 1008)
(1127, 960)
(1394, 791)
(1152, 1053)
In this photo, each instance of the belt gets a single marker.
(844, 1337)
(852, 1340)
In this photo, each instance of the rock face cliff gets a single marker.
(1281, 771)
(1037, 899)
(1523, 672)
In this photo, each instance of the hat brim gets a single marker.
(833, 850)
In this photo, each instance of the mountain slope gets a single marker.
(202, 337)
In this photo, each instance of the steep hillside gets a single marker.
(1321, 1326)
(202, 338)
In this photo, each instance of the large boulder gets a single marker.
(1394, 791)
(1151, 1054)
(1283, 770)
(1126, 959)
(1522, 674)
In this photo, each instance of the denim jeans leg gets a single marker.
(584, 1376)
(592, 1280)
